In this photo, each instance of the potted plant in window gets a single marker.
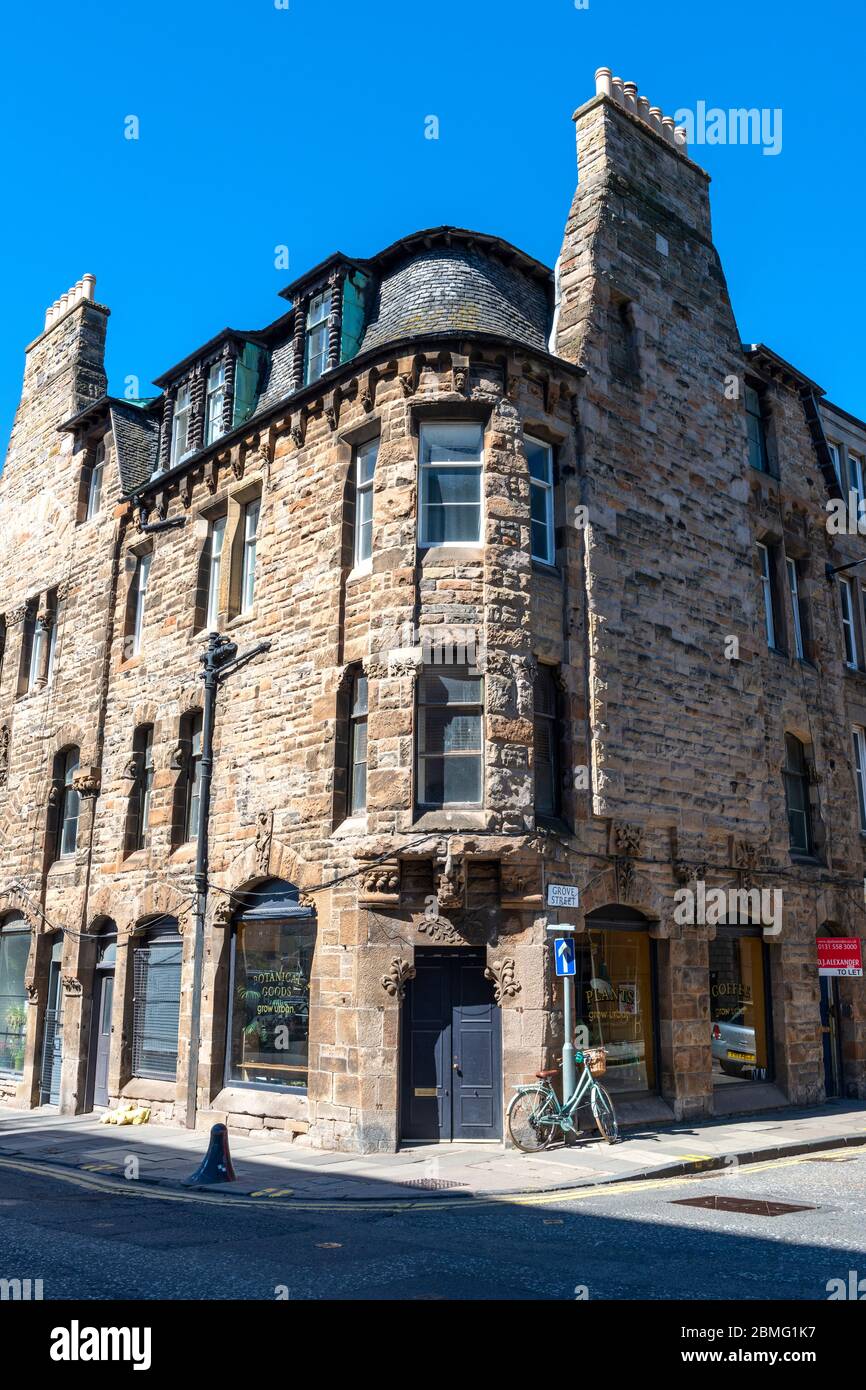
(16, 1018)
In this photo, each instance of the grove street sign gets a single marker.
(562, 895)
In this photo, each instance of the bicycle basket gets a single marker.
(597, 1059)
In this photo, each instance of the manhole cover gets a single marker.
(749, 1205)
(430, 1184)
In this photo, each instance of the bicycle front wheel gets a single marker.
(603, 1113)
(532, 1119)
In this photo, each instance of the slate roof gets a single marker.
(443, 289)
(136, 438)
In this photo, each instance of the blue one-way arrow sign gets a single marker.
(563, 954)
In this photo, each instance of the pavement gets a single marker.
(273, 1170)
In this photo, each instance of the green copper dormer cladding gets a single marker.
(356, 298)
(250, 369)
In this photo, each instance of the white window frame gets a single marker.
(70, 808)
(216, 543)
(363, 498)
(141, 577)
(35, 655)
(215, 395)
(318, 314)
(849, 630)
(181, 412)
(545, 487)
(855, 476)
(424, 755)
(94, 486)
(836, 458)
(767, 588)
(794, 589)
(248, 554)
(427, 464)
(858, 735)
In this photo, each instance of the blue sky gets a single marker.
(305, 126)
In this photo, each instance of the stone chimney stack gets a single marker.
(64, 369)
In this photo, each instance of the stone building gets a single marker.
(542, 561)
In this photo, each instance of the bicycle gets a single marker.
(534, 1113)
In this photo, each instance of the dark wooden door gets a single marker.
(52, 1039)
(451, 1050)
(830, 1036)
(100, 1042)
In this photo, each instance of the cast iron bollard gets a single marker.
(216, 1166)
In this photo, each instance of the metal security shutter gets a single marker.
(156, 1009)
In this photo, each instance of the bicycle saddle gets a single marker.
(542, 1075)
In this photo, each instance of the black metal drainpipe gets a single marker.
(218, 659)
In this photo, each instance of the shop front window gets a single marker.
(738, 1009)
(269, 1008)
(614, 1002)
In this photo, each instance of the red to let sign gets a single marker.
(839, 955)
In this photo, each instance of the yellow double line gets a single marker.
(278, 1196)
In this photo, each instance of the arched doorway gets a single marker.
(270, 964)
(451, 1049)
(616, 997)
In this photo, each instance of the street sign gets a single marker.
(563, 955)
(839, 955)
(562, 895)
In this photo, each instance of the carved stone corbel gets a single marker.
(398, 975)
(367, 389)
(298, 429)
(211, 475)
(87, 781)
(626, 839)
(264, 837)
(460, 373)
(72, 985)
(178, 758)
(381, 883)
(503, 974)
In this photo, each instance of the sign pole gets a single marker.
(568, 1078)
(558, 895)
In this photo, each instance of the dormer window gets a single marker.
(180, 434)
(215, 403)
(316, 348)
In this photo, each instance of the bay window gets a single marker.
(540, 459)
(358, 745)
(450, 738)
(450, 483)
(365, 465)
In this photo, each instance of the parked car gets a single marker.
(734, 1045)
